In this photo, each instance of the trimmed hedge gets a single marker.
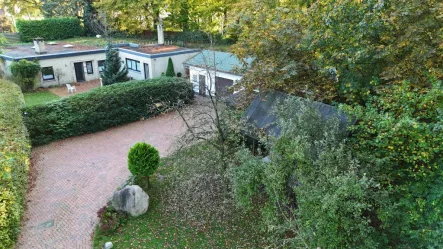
(49, 28)
(14, 162)
(104, 107)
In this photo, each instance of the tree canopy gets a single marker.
(341, 51)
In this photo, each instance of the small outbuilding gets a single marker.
(260, 114)
(214, 71)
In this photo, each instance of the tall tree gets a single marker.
(62, 8)
(414, 41)
(341, 50)
(272, 35)
(22, 8)
(131, 16)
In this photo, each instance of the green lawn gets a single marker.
(162, 228)
(39, 97)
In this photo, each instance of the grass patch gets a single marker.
(162, 227)
(39, 97)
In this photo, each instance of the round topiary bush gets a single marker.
(143, 159)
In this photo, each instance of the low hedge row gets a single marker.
(14, 162)
(49, 28)
(104, 107)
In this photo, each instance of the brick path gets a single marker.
(76, 176)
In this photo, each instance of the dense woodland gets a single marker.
(381, 61)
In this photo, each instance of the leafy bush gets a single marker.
(143, 160)
(14, 162)
(313, 192)
(24, 73)
(110, 219)
(49, 28)
(170, 69)
(104, 107)
(401, 131)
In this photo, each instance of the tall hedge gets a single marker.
(104, 107)
(14, 162)
(49, 28)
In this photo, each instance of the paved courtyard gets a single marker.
(82, 87)
(76, 176)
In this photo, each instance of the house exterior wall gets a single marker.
(157, 65)
(210, 77)
(65, 65)
(125, 54)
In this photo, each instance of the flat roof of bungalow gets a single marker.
(222, 61)
(63, 49)
(17, 51)
(154, 51)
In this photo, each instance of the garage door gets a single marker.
(221, 85)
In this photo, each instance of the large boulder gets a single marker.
(131, 199)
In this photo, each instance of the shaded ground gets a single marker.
(76, 176)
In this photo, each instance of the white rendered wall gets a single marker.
(134, 74)
(210, 77)
(157, 66)
(66, 66)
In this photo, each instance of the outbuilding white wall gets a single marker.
(210, 77)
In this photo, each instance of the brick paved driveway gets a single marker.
(76, 176)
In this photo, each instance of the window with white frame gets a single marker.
(133, 65)
(195, 78)
(48, 73)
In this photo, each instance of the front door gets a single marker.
(79, 73)
(202, 85)
(146, 67)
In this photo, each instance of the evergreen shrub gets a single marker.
(143, 159)
(113, 71)
(170, 69)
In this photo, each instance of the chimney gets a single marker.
(160, 35)
(39, 45)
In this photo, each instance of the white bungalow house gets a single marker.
(63, 63)
(214, 71)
